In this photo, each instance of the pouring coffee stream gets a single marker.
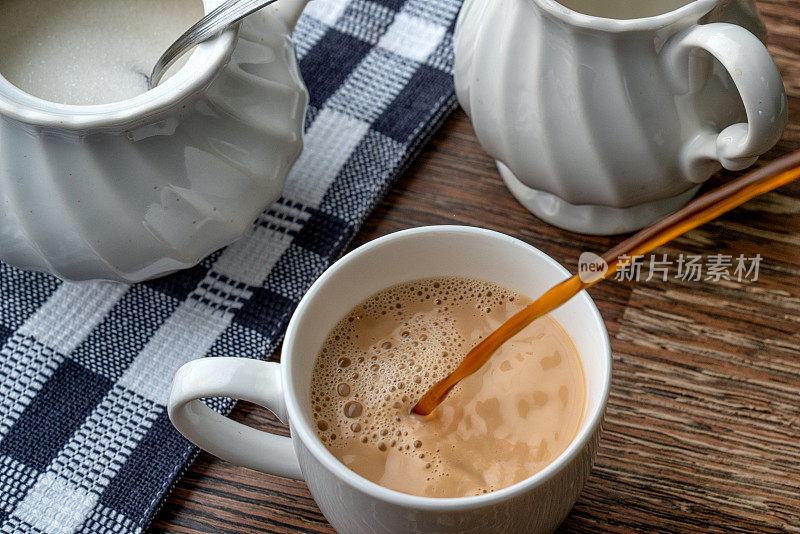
(699, 211)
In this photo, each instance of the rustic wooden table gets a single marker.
(702, 431)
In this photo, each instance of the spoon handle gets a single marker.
(699, 211)
(216, 22)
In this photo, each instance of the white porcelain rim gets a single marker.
(603, 24)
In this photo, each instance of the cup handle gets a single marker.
(760, 87)
(239, 378)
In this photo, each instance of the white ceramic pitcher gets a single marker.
(139, 188)
(602, 125)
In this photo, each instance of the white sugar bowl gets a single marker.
(139, 188)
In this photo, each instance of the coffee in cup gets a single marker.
(496, 428)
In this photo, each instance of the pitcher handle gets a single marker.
(239, 378)
(760, 87)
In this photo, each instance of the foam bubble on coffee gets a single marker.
(380, 359)
(387, 374)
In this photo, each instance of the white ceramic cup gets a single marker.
(352, 503)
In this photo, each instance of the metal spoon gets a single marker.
(207, 27)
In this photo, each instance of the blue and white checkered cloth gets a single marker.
(85, 369)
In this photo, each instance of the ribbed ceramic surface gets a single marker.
(586, 114)
(136, 203)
